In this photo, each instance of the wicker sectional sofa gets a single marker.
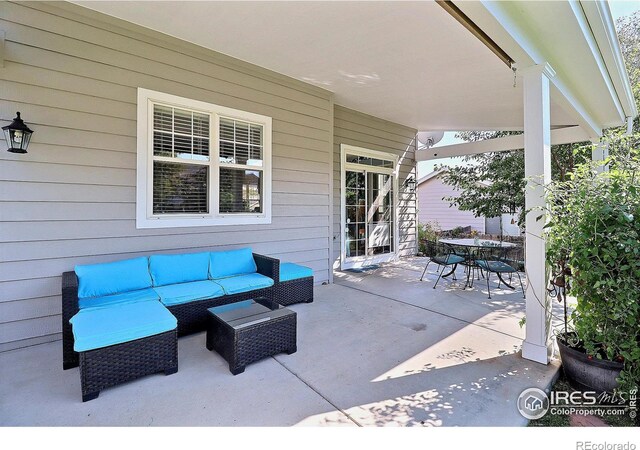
(121, 320)
(109, 352)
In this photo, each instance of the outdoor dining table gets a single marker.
(470, 244)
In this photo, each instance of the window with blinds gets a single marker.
(180, 156)
(201, 164)
(240, 166)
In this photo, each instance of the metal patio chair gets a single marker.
(444, 256)
(496, 260)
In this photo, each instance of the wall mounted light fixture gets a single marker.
(410, 184)
(17, 135)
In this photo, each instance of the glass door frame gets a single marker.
(353, 262)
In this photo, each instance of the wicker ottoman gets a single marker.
(295, 285)
(109, 366)
(123, 342)
(248, 331)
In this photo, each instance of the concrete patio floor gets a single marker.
(376, 348)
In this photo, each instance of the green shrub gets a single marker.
(593, 238)
(429, 231)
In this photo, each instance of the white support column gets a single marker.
(537, 169)
(599, 153)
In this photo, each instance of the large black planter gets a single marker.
(588, 374)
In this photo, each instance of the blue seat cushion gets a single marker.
(231, 263)
(244, 283)
(447, 260)
(176, 294)
(291, 271)
(495, 266)
(172, 269)
(125, 297)
(124, 322)
(97, 280)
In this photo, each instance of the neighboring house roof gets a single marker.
(430, 175)
(438, 172)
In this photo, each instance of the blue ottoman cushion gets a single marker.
(117, 323)
(291, 271)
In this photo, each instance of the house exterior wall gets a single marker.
(492, 225)
(361, 130)
(74, 74)
(431, 207)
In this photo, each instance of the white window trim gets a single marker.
(144, 174)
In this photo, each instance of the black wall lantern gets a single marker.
(17, 135)
(410, 184)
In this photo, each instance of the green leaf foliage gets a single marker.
(595, 242)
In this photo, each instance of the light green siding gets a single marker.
(74, 74)
(361, 130)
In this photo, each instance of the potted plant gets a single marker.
(593, 249)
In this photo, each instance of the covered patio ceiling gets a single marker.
(407, 62)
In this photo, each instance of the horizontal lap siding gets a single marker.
(361, 130)
(74, 75)
(432, 207)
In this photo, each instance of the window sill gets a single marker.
(185, 222)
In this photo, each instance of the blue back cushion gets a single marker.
(172, 269)
(96, 280)
(231, 263)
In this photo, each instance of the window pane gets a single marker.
(255, 135)
(351, 214)
(162, 118)
(242, 153)
(240, 191)
(255, 156)
(182, 146)
(352, 232)
(227, 129)
(182, 121)
(201, 148)
(351, 248)
(180, 133)
(354, 179)
(162, 144)
(200, 124)
(240, 142)
(351, 197)
(242, 132)
(227, 152)
(179, 188)
(369, 161)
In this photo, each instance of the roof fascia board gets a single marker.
(603, 26)
(559, 136)
(596, 52)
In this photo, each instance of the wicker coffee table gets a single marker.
(247, 331)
